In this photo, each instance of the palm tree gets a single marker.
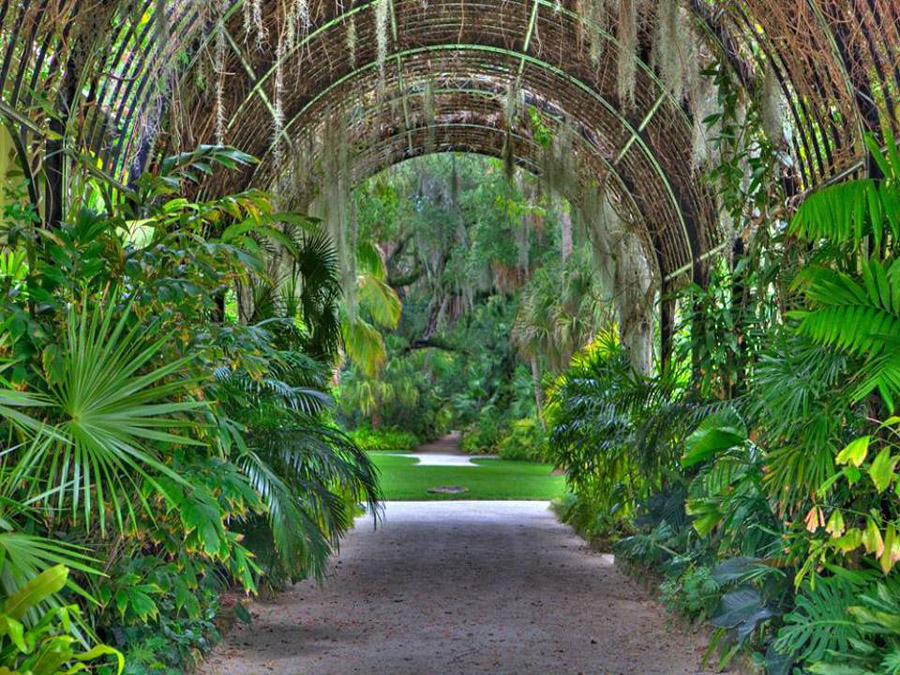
(363, 341)
(560, 312)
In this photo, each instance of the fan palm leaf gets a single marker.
(103, 414)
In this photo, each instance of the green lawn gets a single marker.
(403, 480)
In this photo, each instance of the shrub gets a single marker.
(384, 440)
(526, 441)
(482, 438)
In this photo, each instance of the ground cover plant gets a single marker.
(384, 440)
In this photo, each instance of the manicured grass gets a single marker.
(403, 480)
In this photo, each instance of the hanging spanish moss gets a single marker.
(523, 232)
(334, 200)
(296, 22)
(511, 107)
(596, 22)
(301, 15)
(382, 14)
(704, 104)
(603, 228)
(349, 263)
(669, 47)
(278, 112)
(559, 174)
(428, 114)
(351, 40)
(627, 64)
(772, 107)
(220, 73)
(247, 8)
(253, 21)
(622, 272)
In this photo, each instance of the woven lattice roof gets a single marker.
(131, 82)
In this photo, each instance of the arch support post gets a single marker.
(698, 324)
(666, 326)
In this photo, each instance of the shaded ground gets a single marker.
(462, 587)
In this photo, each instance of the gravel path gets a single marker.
(462, 587)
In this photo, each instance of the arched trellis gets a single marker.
(124, 80)
(482, 101)
(636, 140)
(836, 62)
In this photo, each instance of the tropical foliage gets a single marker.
(166, 425)
(477, 262)
(757, 470)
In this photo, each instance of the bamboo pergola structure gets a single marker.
(130, 80)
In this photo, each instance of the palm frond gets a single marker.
(858, 317)
(105, 414)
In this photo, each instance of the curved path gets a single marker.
(462, 587)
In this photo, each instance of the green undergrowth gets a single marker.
(402, 479)
(384, 440)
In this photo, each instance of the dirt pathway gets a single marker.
(462, 587)
(445, 445)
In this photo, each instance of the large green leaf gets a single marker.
(706, 443)
(741, 610)
(44, 585)
(882, 469)
(820, 621)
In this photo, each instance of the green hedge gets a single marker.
(384, 440)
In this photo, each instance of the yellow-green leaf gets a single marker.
(882, 469)
(850, 541)
(835, 525)
(872, 538)
(36, 591)
(889, 536)
(855, 452)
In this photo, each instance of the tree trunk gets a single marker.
(538, 391)
(565, 221)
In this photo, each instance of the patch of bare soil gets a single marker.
(463, 587)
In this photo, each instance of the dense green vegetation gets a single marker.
(478, 262)
(200, 394)
(402, 479)
(165, 417)
(756, 470)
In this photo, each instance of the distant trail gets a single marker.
(446, 445)
(454, 588)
